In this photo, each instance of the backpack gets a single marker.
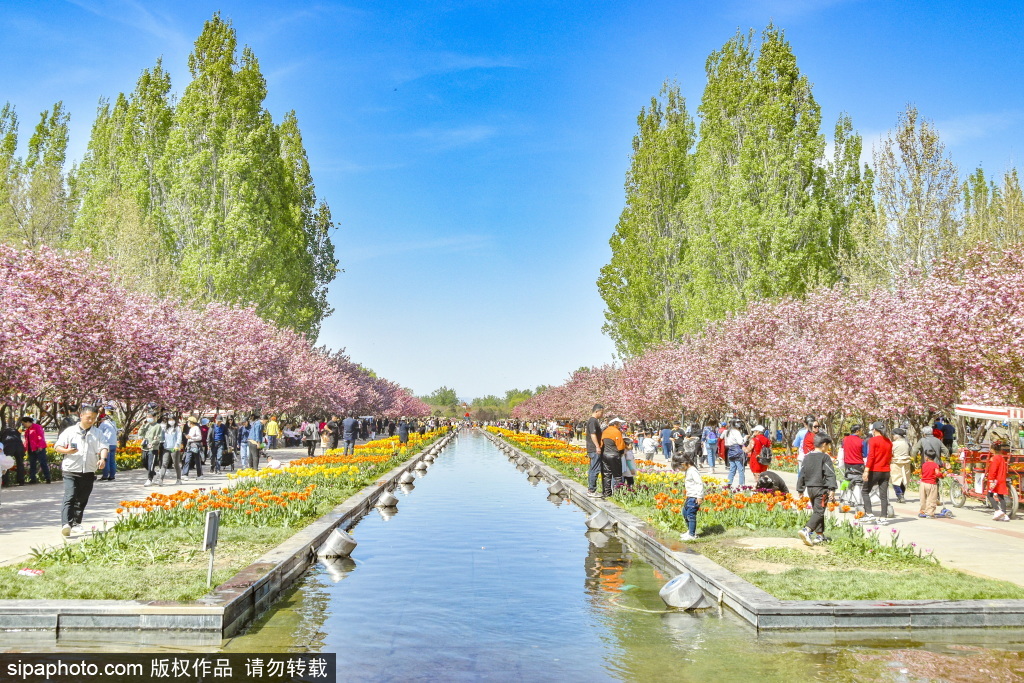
(764, 458)
(690, 448)
(309, 434)
(711, 436)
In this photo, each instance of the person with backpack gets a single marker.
(710, 440)
(759, 451)
(14, 447)
(818, 478)
(613, 446)
(688, 451)
(310, 435)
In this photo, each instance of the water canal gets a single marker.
(480, 575)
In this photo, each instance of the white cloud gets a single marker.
(445, 245)
(136, 15)
(436, 63)
(451, 138)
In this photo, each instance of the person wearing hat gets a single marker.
(876, 472)
(613, 446)
(756, 448)
(902, 465)
(193, 448)
(107, 431)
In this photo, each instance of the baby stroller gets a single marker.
(227, 458)
(851, 493)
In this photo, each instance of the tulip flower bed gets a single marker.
(152, 552)
(861, 561)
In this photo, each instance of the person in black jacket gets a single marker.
(818, 476)
(14, 447)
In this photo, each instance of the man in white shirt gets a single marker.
(83, 452)
(108, 428)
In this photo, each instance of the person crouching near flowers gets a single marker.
(818, 476)
(693, 486)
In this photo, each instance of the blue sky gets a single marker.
(474, 152)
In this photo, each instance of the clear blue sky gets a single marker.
(474, 152)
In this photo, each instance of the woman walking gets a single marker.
(194, 448)
(310, 436)
(172, 452)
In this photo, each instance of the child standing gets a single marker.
(818, 476)
(930, 475)
(694, 487)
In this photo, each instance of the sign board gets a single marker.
(212, 527)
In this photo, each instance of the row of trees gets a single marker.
(444, 402)
(751, 205)
(954, 333)
(66, 339)
(202, 197)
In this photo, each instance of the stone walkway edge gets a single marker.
(766, 612)
(229, 607)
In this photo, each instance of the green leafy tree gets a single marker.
(38, 206)
(760, 218)
(644, 284)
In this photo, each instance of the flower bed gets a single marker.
(155, 541)
(861, 562)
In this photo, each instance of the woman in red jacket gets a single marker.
(758, 442)
(995, 475)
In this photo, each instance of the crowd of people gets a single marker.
(874, 460)
(170, 442)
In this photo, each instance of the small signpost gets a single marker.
(210, 541)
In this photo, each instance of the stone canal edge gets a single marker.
(763, 610)
(229, 607)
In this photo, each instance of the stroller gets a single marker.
(227, 458)
(852, 493)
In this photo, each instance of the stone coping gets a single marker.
(763, 610)
(229, 607)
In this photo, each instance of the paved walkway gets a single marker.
(30, 514)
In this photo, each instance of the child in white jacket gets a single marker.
(694, 487)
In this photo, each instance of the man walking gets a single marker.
(818, 477)
(152, 445)
(592, 436)
(108, 430)
(256, 434)
(83, 452)
(217, 438)
(349, 430)
(35, 446)
(333, 430)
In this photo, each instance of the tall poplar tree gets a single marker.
(765, 219)
(644, 284)
(918, 197)
(38, 207)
